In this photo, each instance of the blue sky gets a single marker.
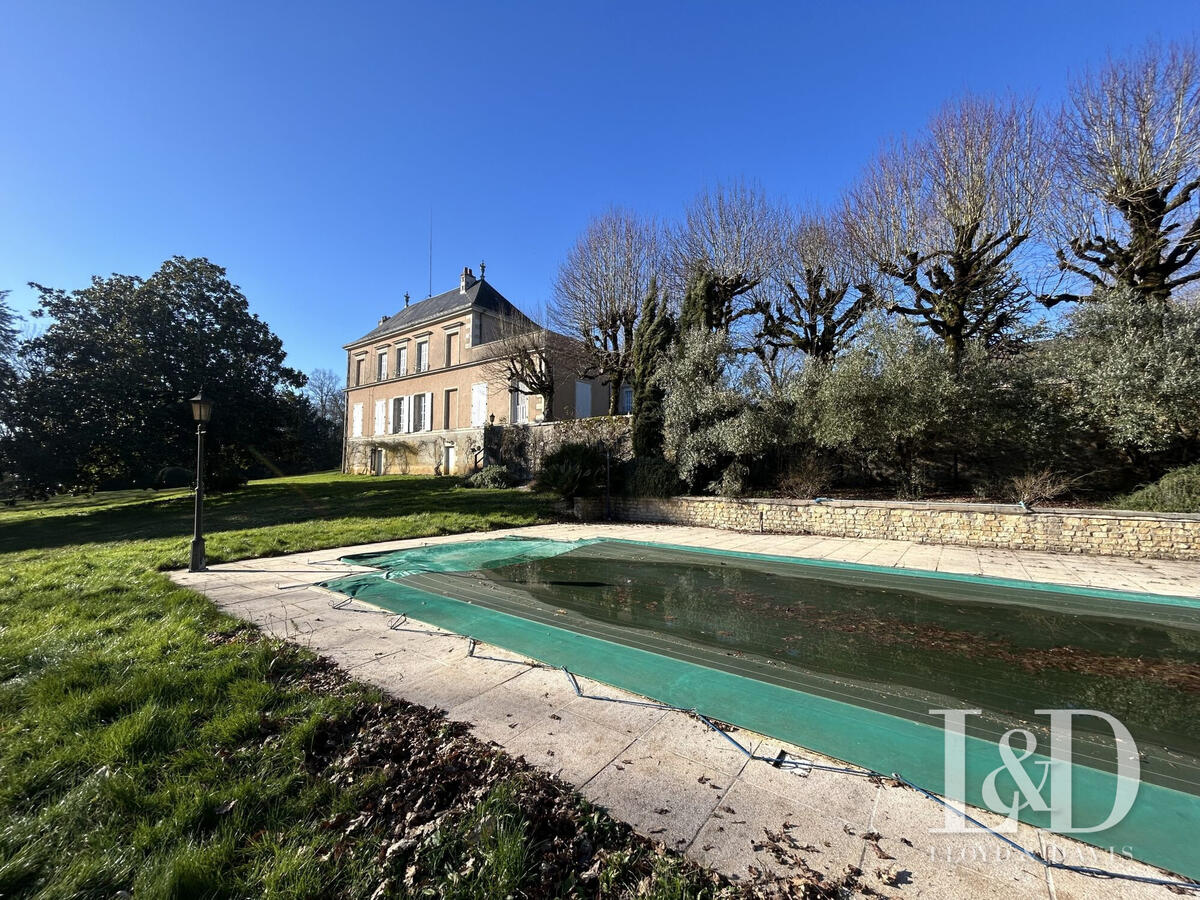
(303, 146)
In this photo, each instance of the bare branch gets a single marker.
(943, 217)
(732, 234)
(1129, 172)
(822, 290)
(519, 359)
(599, 289)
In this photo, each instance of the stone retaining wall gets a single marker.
(1093, 531)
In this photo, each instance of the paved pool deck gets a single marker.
(665, 773)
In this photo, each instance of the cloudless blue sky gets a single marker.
(303, 146)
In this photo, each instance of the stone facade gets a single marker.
(1091, 531)
(424, 380)
(449, 452)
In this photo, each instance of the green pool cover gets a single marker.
(849, 660)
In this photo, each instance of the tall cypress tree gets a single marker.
(652, 341)
(704, 304)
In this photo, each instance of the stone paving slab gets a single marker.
(669, 775)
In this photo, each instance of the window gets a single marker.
(399, 410)
(358, 414)
(520, 406)
(583, 399)
(359, 363)
(450, 409)
(380, 415)
(381, 365)
(423, 356)
(422, 412)
(452, 355)
(625, 403)
(402, 360)
(479, 404)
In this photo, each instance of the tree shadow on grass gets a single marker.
(261, 505)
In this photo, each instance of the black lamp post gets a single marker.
(201, 412)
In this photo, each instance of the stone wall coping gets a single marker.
(948, 506)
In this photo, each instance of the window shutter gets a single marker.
(358, 419)
(428, 411)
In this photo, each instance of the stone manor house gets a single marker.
(421, 385)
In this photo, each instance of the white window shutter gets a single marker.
(358, 419)
(408, 413)
(390, 412)
(429, 411)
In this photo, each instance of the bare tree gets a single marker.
(599, 289)
(529, 359)
(325, 390)
(730, 241)
(821, 291)
(944, 216)
(1128, 178)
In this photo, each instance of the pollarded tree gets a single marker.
(728, 245)
(823, 291)
(944, 217)
(1128, 211)
(598, 291)
(521, 361)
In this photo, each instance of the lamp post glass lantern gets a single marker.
(202, 413)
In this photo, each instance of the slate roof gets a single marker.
(480, 295)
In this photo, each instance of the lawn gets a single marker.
(151, 744)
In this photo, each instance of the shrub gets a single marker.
(652, 476)
(1178, 491)
(490, 477)
(1135, 366)
(573, 470)
(733, 481)
(806, 479)
(1037, 487)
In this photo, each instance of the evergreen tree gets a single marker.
(118, 363)
(705, 305)
(652, 342)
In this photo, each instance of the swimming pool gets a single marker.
(847, 660)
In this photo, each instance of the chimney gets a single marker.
(466, 279)
(384, 318)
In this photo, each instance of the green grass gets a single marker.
(137, 753)
(147, 745)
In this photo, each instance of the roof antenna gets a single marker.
(430, 294)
